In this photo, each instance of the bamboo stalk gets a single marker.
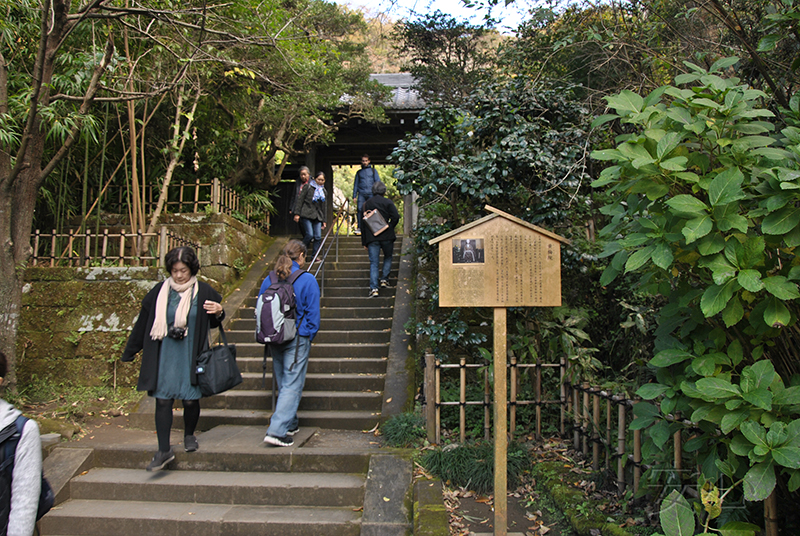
(512, 423)
(438, 400)
(596, 433)
(462, 408)
(621, 448)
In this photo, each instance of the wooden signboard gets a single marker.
(499, 261)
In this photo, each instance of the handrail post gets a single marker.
(215, 194)
(430, 403)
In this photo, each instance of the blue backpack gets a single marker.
(9, 438)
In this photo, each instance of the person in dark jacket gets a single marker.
(303, 176)
(172, 330)
(366, 177)
(311, 210)
(384, 241)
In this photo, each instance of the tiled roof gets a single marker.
(403, 96)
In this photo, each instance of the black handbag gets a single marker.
(216, 368)
(375, 221)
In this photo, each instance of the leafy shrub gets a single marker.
(471, 465)
(404, 430)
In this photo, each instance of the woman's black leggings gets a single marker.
(191, 414)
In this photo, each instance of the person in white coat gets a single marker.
(26, 478)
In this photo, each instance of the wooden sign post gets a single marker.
(500, 261)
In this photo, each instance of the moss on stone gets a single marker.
(581, 511)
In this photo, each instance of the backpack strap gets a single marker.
(292, 278)
(9, 437)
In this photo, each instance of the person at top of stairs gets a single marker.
(290, 359)
(310, 211)
(173, 331)
(365, 179)
(384, 241)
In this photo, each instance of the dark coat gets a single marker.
(389, 212)
(139, 338)
(308, 209)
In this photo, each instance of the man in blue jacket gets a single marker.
(362, 187)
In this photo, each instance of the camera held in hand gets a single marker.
(176, 333)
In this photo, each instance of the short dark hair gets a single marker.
(365, 155)
(3, 365)
(183, 254)
(378, 188)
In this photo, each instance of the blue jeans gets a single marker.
(312, 230)
(374, 249)
(362, 198)
(290, 383)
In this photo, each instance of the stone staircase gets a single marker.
(333, 481)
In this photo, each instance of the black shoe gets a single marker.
(293, 431)
(284, 441)
(373, 293)
(160, 460)
(384, 283)
(190, 443)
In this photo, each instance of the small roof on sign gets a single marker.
(495, 214)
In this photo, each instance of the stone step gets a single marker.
(254, 349)
(248, 325)
(322, 382)
(261, 399)
(142, 518)
(334, 420)
(373, 312)
(325, 336)
(321, 365)
(215, 487)
(384, 300)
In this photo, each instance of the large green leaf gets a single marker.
(750, 280)
(717, 388)
(733, 312)
(788, 397)
(726, 187)
(781, 288)
(665, 358)
(776, 314)
(755, 433)
(759, 481)
(638, 259)
(733, 419)
(781, 222)
(649, 391)
(662, 255)
(687, 204)
(716, 297)
(787, 457)
(697, 228)
(760, 398)
(757, 376)
(738, 528)
(625, 101)
(677, 517)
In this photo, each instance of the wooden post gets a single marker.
(512, 385)
(487, 403)
(621, 449)
(596, 433)
(563, 396)
(637, 459)
(608, 434)
(162, 246)
(500, 424)
(585, 424)
(430, 397)
(576, 423)
(677, 446)
(771, 515)
(36, 247)
(215, 195)
(538, 396)
(462, 400)
(438, 399)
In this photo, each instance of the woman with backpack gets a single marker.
(172, 330)
(290, 359)
(310, 210)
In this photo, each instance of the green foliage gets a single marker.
(404, 430)
(678, 518)
(448, 58)
(706, 213)
(471, 465)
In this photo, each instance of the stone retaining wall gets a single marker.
(75, 321)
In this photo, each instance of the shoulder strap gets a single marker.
(294, 275)
(273, 277)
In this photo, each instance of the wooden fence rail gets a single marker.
(105, 249)
(193, 197)
(598, 421)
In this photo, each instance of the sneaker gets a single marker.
(384, 283)
(190, 443)
(373, 293)
(357, 232)
(293, 431)
(284, 441)
(160, 460)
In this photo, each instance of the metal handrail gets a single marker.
(325, 251)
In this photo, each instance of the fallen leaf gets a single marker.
(386, 499)
(388, 400)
